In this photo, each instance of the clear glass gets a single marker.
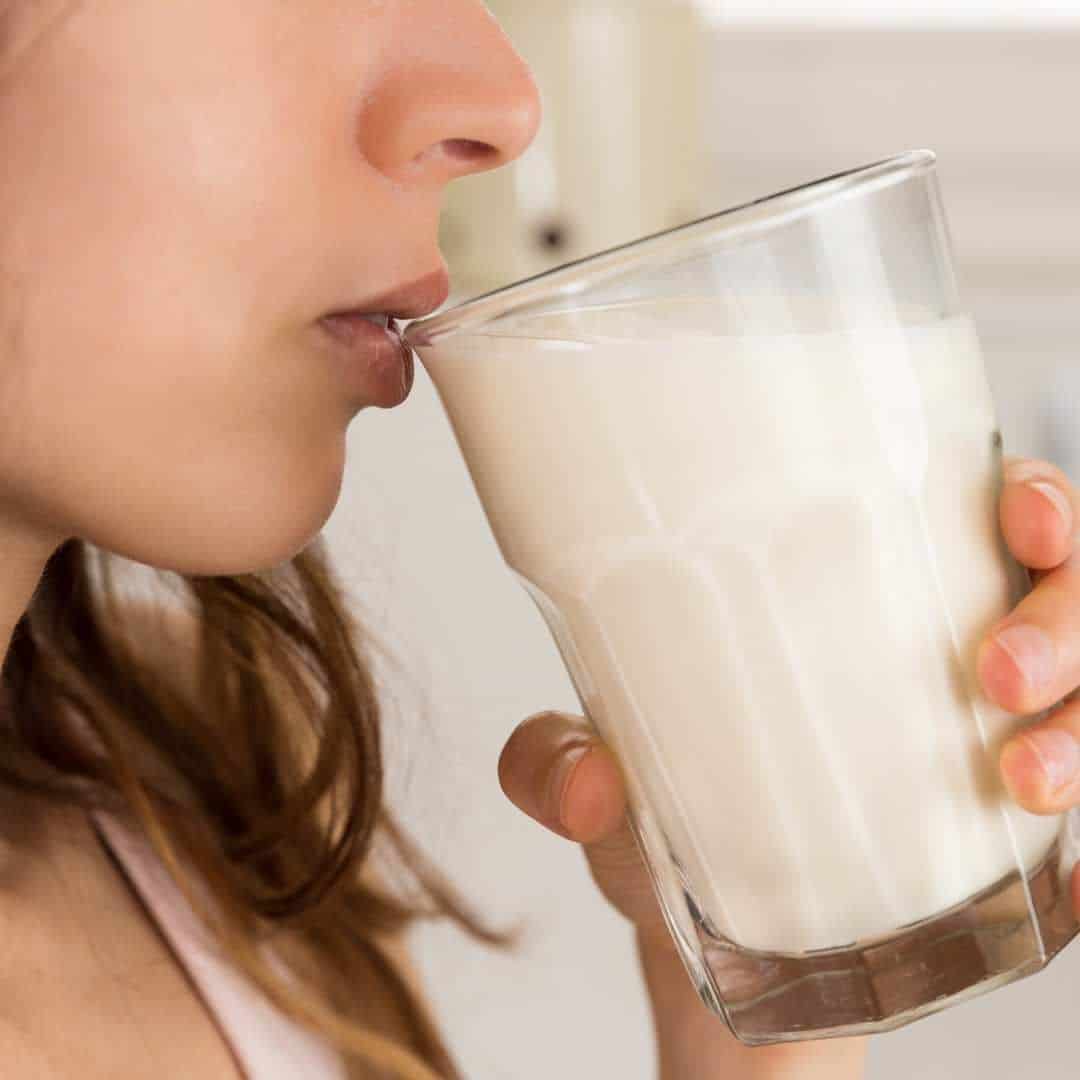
(748, 470)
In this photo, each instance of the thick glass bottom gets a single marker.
(1006, 932)
(988, 941)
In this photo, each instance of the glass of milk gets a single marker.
(748, 470)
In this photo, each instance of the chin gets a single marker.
(235, 528)
(226, 547)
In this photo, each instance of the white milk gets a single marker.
(768, 563)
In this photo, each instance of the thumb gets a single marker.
(559, 772)
(556, 769)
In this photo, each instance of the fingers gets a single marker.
(1041, 765)
(1031, 659)
(557, 770)
(1039, 511)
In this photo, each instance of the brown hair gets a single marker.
(263, 774)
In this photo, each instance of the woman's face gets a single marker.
(187, 187)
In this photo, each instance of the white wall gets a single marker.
(416, 549)
(878, 12)
(790, 105)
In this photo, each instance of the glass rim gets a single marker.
(572, 278)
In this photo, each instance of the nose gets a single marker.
(458, 100)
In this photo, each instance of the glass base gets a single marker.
(881, 984)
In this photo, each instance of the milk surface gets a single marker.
(768, 562)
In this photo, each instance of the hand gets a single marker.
(1036, 663)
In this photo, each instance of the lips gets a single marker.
(377, 364)
(412, 301)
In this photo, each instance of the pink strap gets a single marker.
(267, 1044)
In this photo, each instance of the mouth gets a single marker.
(378, 366)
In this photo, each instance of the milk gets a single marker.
(768, 562)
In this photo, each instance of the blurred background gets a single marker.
(658, 112)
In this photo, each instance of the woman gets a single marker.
(189, 192)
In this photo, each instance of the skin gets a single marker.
(187, 188)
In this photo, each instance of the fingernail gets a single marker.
(1057, 754)
(1032, 650)
(556, 788)
(1059, 500)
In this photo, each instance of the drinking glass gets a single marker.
(748, 470)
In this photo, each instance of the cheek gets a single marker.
(149, 420)
(186, 461)
(133, 192)
(165, 400)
